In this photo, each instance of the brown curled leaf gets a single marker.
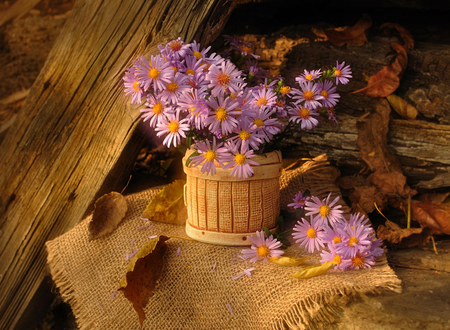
(143, 271)
(402, 107)
(434, 216)
(354, 35)
(387, 80)
(109, 210)
(408, 41)
(395, 236)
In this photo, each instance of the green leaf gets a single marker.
(189, 160)
(314, 270)
(267, 231)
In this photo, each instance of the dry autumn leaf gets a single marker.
(288, 261)
(168, 206)
(354, 35)
(402, 107)
(434, 216)
(403, 33)
(395, 236)
(314, 270)
(109, 210)
(387, 80)
(143, 271)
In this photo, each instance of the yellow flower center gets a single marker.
(337, 259)
(324, 93)
(154, 73)
(324, 210)
(190, 71)
(158, 108)
(136, 86)
(210, 155)
(308, 95)
(308, 76)
(172, 87)
(337, 240)
(173, 127)
(175, 45)
(244, 135)
(303, 113)
(263, 251)
(285, 89)
(240, 159)
(198, 55)
(258, 122)
(311, 233)
(337, 73)
(358, 261)
(221, 114)
(280, 103)
(352, 241)
(174, 69)
(262, 101)
(246, 49)
(223, 79)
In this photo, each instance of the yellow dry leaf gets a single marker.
(168, 206)
(402, 107)
(288, 261)
(314, 270)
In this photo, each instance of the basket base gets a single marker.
(214, 237)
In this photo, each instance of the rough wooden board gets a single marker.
(423, 258)
(74, 139)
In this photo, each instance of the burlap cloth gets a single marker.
(190, 294)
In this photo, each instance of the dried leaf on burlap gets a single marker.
(314, 270)
(434, 216)
(143, 271)
(402, 107)
(403, 33)
(354, 35)
(393, 235)
(168, 206)
(288, 261)
(109, 210)
(387, 80)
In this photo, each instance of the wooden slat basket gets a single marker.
(225, 210)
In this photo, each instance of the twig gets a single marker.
(408, 223)
(374, 203)
(434, 245)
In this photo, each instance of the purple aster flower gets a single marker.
(156, 109)
(324, 210)
(308, 76)
(157, 72)
(361, 260)
(309, 94)
(197, 51)
(223, 115)
(331, 233)
(327, 90)
(342, 73)
(299, 201)
(246, 134)
(193, 66)
(332, 115)
(133, 87)
(355, 238)
(263, 97)
(332, 255)
(306, 117)
(240, 161)
(266, 126)
(208, 155)
(308, 234)
(173, 90)
(224, 76)
(174, 49)
(262, 248)
(173, 127)
(375, 248)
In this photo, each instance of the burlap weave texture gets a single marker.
(190, 294)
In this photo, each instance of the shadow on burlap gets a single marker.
(193, 295)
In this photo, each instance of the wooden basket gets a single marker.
(225, 210)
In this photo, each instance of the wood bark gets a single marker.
(76, 135)
(422, 145)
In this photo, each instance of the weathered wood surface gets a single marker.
(422, 145)
(74, 138)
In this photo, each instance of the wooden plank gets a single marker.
(76, 136)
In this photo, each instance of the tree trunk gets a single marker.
(421, 145)
(76, 135)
